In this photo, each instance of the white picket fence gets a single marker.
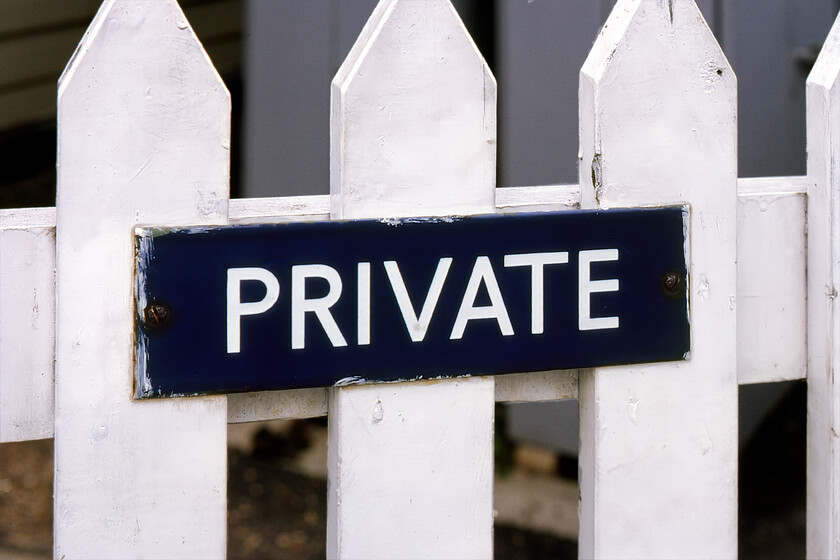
(144, 138)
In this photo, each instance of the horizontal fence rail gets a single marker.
(777, 355)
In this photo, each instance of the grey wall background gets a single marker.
(772, 45)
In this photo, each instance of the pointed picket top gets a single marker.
(413, 128)
(127, 12)
(826, 70)
(674, 56)
(149, 50)
(143, 138)
(823, 265)
(658, 126)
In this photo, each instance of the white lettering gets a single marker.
(482, 272)
(586, 287)
(537, 262)
(417, 327)
(319, 306)
(236, 308)
(363, 301)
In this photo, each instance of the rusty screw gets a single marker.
(672, 283)
(156, 315)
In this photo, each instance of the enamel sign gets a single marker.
(284, 306)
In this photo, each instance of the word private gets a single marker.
(281, 306)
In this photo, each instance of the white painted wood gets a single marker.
(771, 280)
(773, 186)
(411, 470)
(277, 405)
(537, 199)
(658, 461)
(430, 126)
(413, 133)
(537, 386)
(271, 210)
(27, 217)
(823, 483)
(27, 317)
(144, 132)
(311, 403)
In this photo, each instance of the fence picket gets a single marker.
(658, 460)
(823, 485)
(143, 137)
(413, 133)
(417, 137)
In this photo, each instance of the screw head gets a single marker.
(672, 283)
(156, 315)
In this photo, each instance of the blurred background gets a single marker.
(278, 57)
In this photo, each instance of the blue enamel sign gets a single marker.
(284, 306)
